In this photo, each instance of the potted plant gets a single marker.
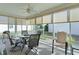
(70, 40)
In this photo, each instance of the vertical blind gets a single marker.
(23, 21)
(74, 14)
(28, 22)
(60, 17)
(47, 19)
(19, 21)
(39, 20)
(11, 21)
(32, 21)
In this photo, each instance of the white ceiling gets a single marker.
(18, 9)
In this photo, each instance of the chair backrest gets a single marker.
(8, 34)
(61, 36)
(34, 40)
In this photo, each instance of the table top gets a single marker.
(25, 36)
(20, 37)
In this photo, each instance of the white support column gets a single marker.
(43, 25)
(8, 23)
(15, 25)
(27, 27)
(68, 16)
(52, 20)
(43, 29)
(21, 26)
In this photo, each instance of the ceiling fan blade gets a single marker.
(28, 9)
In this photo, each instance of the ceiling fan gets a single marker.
(29, 9)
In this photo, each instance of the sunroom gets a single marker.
(39, 28)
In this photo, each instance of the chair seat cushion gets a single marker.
(59, 45)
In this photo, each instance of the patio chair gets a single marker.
(33, 43)
(12, 43)
(8, 34)
(60, 42)
(25, 39)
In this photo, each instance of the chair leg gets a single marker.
(5, 52)
(53, 46)
(22, 47)
(15, 45)
(72, 51)
(66, 47)
(36, 50)
(27, 51)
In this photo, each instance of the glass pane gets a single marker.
(19, 29)
(29, 28)
(23, 27)
(47, 19)
(12, 25)
(19, 26)
(61, 27)
(50, 28)
(75, 30)
(74, 15)
(3, 27)
(3, 20)
(39, 20)
(75, 36)
(3, 24)
(12, 29)
(23, 24)
(60, 16)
